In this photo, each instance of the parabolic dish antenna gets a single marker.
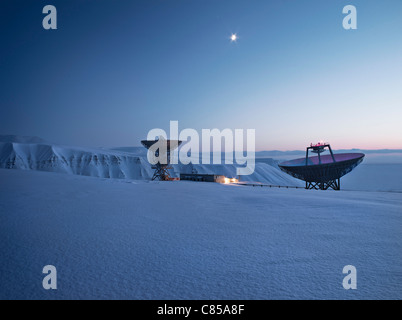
(322, 172)
(160, 152)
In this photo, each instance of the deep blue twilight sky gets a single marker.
(113, 70)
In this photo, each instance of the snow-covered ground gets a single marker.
(111, 238)
(374, 177)
(111, 233)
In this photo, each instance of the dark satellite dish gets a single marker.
(170, 144)
(322, 172)
(162, 169)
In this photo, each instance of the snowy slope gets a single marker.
(374, 177)
(121, 239)
(121, 163)
(96, 163)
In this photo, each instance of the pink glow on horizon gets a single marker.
(335, 146)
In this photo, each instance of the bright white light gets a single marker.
(233, 37)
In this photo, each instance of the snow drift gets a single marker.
(122, 239)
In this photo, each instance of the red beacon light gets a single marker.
(319, 147)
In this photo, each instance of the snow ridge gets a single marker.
(123, 163)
